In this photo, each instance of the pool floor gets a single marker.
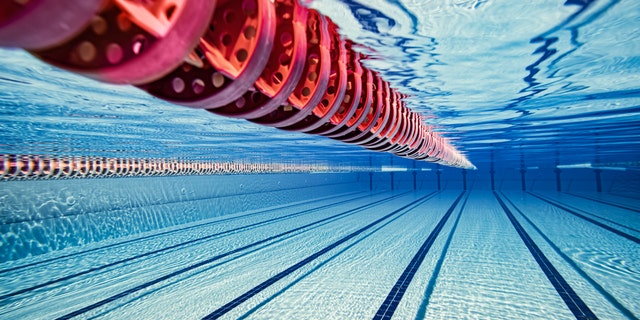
(447, 254)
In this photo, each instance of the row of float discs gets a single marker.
(272, 62)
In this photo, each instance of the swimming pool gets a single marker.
(161, 211)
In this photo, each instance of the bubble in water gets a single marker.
(71, 200)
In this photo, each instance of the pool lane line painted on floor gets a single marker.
(636, 210)
(265, 284)
(175, 246)
(422, 309)
(392, 300)
(574, 265)
(189, 227)
(314, 269)
(598, 223)
(628, 196)
(220, 256)
(579, 309)
(586, 213)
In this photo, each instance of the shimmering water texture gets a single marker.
(275, 63)
(354, 255)
(115, 204)
(550, 81)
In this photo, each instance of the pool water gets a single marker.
(542, 97)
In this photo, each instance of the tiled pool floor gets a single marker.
(402, 255)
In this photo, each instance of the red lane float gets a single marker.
(272, 62)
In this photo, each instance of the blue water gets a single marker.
(542, 97)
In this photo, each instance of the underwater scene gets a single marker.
(319, 159)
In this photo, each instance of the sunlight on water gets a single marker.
(489, 74)
(497, 73)
(115, 204)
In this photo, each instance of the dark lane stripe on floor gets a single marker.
(218, 257)
(390, 304)
(600, 217)
(318, 266)
(606, 202)
(573, 264)
(257, 289)
(597, 223)
(579, 309)
(171, 247)
(428, 292)
(191, 226)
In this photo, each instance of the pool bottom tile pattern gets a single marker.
(449, 254)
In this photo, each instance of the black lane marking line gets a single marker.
(606, 202)
(628, 196)
(213, 259)
(171, 247)
(236, 257)
(390, 304)
(257, 289)
(579, 309)
(575, 266)
(316, 268)
(597, 223)
(422, 310)
(176, 230)
(591, 214)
